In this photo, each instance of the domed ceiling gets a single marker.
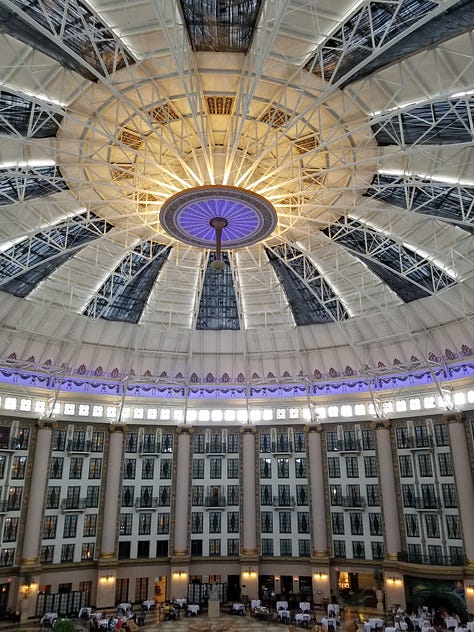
(352, 120)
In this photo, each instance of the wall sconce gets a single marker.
(394, 581)
(106, 579)
(296, 579)
(28, 587)
(469, 590)
(321, 576)
(277, 578)
(180, 574)
(249, 573)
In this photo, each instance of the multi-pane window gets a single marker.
(165, 468)
(408, 494)
(197, 522)
(92, 496)
(453, 527)
(457, 555)
(370, 466)
(412, 526)
(303, 521)
(215, 443)
(425, 465)
(144, 523)
(233, 522)
(126, 521)
(286, 547)
(14, 498)
(301, 494)
(432, 525)
(304, 548)
(428, 495)
(414, 553)
(435, 554)
(56, 467)
(215, 468)
(167, 443)
(87, 551)
(50, 524)
(95, 468)
(300, 468)
(67, 553)
(350, 440)
(284, 520)
(97, 442)
(300, 441)
(198, 468)
(233, 546)
(70, 526)
(406, 467)
(265, 443)
(52, 497)
(73, 497)
(283, 468)
(232, 495)
(148, 469)
(129, 468)
(266, 495)
(46, 554)
(267, 546)
(337, 519)
(214, 547)
(358, 550)
(131, 442)
(215, 521)
(332, 442)
(284, 498)
(199, 443)
(422, 438)
(75, 467)
(163, 523)
(265, 468)
(357, 525)
(3, 460)
(59, 440)
(128, 494)
(232, 468)
(10, 529)
(339, 548)
(149, 443)
(90, 525)
(441, 434)
(335, 492)
(449, 495)
(334, 467)
(352, 467)
(375, 524)
(197, 495)
(445, 464)
(368, 440)
(233, 443)
(266, 518)
(403, 440)
(78, 441)
(164, 495)
(378, 551)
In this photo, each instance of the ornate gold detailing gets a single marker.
(118, 428)
(313, 428)
(380, 424)
(247, 430)
(47, 423)
(454, 418)
(185, 430)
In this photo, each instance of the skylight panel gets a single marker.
(123, 295)
(25, 183)
(439, 123)
(23, 117)
(83, 36)
(446, 202)
(311, 298)
(29, 262)
(218, 306)
(407, 273)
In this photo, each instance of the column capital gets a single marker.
(454, 418)
(247, 430)
(380, 424)
(118, 428)
(313, 428)
(47, 423)
(185, 430)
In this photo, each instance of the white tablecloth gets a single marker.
(255, 603)
(450, 622)
(281, 605)
(193, 609)
(125, 606)
(238, 607)
(304, 606)
(49, 617)
(302, 617)
(333, 607)
(284, 614)
(330, 624)
(470, 626)
(180, 602)
(148, 603)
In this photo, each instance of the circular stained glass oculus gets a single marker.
(188, 216)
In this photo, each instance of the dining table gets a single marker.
(193, 609)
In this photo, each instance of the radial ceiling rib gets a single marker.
(447, 202)
(24, 183)
(75, 37)
(409, 275)
(24, 117)
(218, 307)
(440, 122)
(310, 296)
(221, 27)
(374, 36)
(30, 261)
(123, 295)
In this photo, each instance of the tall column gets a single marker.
(318, 494)
(388, 489)
(464, 482)
(183, 459)
(39, 480)
(112, 493)
(249, 521)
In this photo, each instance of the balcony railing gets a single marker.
(418, 502)
(353, 501)
(146, 503)
(432, 560)
(284, 502)
(216, 448)
(411, 442)
(69, 504)
(282, 447)
(79, 446)
(349, 445)
(215, 501)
